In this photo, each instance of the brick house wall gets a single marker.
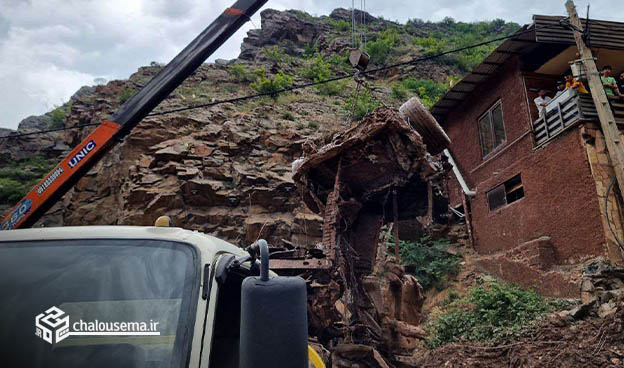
(560, 198)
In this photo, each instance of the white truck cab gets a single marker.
(125, 296)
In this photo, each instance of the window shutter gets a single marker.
(496, 197)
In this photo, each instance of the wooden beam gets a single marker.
(615, 146)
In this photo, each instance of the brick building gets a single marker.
(535, 184)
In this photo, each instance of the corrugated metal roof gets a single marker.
(604, 34)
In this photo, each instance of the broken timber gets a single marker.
(350, 182)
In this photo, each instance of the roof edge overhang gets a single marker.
(546, 30)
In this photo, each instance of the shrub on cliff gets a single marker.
(358, 106)
(125, 95)
(429, 260)
(11, 191)
(271, 84)
(317, 69)
(18, 177)
(380, 48)
(240, 73)
(340, 24)
(429, 91)
(59, 115)
(275, 54)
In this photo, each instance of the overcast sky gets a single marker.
(50, 48)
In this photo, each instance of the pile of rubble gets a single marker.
(589, 335)
(602, 290)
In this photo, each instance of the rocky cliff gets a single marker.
(224, 170)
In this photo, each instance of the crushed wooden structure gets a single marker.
(377, 172)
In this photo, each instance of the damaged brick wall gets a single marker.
(560, 199)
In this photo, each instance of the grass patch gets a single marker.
(491, 311)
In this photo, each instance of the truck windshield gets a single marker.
(96, 303)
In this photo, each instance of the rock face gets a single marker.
(49, 146)
(345, 14)
(288, 29)
(224, 171)
(5, 132)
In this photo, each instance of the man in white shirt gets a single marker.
(541, 101)
(560, 88)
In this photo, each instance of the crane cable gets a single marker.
(306, 85)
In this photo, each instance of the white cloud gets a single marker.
(50, 48)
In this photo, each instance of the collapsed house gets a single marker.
(535, 187)
(362, 304)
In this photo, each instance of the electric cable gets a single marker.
(310, 84)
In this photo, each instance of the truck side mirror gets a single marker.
(274, 322)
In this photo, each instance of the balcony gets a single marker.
(566, 110)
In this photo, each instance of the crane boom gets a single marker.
(54, 185)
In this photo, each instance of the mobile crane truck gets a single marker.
(124, 296)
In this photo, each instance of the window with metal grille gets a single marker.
(506, 193)
(492, 129)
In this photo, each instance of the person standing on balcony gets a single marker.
(620, 84)
(575, 84)
(608, 82)
(541, 101)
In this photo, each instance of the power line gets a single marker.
(310, 84)
(348, 75)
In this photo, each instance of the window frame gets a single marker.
(506, 192)
(488, 113)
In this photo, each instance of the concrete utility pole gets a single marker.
(610, 130)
